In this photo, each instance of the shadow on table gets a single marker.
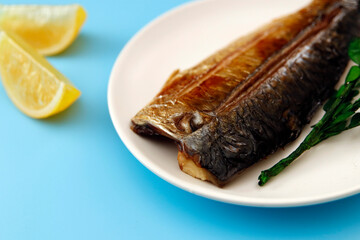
(89, 43)
(79, 46)
(314, 221)
(70, 114)
(310, 221)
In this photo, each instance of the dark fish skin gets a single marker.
(278, 100)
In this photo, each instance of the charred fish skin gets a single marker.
(256, 122)
(187, 100)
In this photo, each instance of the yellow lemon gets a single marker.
(49, 29)
(31, 82)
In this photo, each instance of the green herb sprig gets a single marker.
(340, 115)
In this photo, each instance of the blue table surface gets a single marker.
(71, 177)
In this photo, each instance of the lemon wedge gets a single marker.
(31, 82)
(49, 29)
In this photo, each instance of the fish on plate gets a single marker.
(255, 95)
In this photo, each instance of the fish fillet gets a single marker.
(254, 96)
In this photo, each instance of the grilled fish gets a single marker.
(187, 100)
(254, 96)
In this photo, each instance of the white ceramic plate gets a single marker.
(182, 38)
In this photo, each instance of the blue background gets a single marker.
(71, 177)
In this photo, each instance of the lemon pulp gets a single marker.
(49, 29)
(31, 82)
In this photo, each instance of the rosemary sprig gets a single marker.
(340, 115)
